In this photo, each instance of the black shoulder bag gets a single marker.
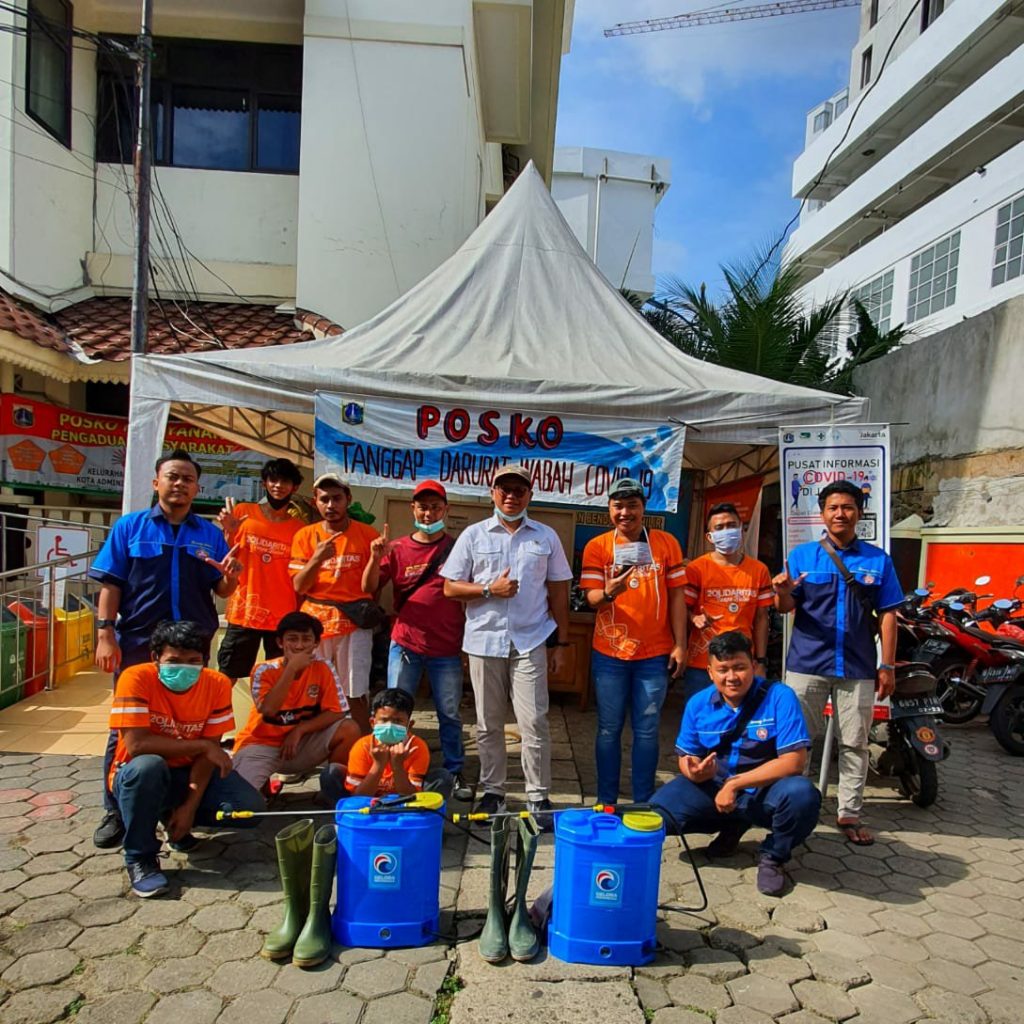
(854, 584)
(444, 547)
(747, 712)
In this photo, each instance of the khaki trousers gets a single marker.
(524, 676)
(852, 703)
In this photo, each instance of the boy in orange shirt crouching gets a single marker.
(391, 760)
(300, 716)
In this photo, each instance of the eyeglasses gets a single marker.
(513, 492)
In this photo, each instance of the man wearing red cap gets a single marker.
(427, 633)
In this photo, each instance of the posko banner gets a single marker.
(574, 460)
(49, 446)
(810, 457)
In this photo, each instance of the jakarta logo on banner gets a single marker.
(811, 457)
(391, 442)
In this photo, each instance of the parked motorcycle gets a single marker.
(904, 742)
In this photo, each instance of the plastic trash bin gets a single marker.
(37, 646)
(74, 642)
(12, 658)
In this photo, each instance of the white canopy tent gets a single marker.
(518, 317)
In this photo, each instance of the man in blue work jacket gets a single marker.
(742, 749)
(164, 563)
(832, 652)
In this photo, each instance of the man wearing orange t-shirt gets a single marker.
(327, 565)
(725, 590)
(169, 715)
(264, 534)
(634, 578)
(300, 716)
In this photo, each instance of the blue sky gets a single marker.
(726, 103)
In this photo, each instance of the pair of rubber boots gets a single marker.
(306, 861)
(510, 932)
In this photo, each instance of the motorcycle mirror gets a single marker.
(921, 592)
(982, 581)
(1003, 604)
(956, 606)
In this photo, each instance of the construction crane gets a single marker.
(713, 16)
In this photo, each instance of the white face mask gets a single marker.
(508, 518)
(727, 541)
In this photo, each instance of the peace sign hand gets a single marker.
(228, 520)
(229, 566)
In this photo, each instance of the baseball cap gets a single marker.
(331, 480)
(430, 487)
(626, 487)
(520, 472)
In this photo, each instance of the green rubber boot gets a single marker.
(313, 946)
(493, 943)
(294, 854)
(523, 942)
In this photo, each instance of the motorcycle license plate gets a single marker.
(935, 646)
(908, 707)
(1000, 674)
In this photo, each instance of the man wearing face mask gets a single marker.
(513, 576)
(264, 534)
(634, 579)
(168, 765)
(726, 590)
(427, 632)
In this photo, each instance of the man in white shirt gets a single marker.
(514, 577)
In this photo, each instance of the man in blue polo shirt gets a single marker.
(742, 748)
(832, 652)
(164, 563)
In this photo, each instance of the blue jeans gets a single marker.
(788, 808)
(133, 656)
(694, 680)
(405, 669)
(640, 687)
(147, 790)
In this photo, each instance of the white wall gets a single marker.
(624, 226)
(969, 206)
(391, 170)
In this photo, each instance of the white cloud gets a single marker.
(687, 61)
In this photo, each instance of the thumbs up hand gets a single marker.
(505, 587)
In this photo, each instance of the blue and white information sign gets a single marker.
(810, 457)
(574, 460)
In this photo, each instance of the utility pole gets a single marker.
(143, 172)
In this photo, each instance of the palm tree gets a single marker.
(866, 344)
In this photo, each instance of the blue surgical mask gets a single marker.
(429, 528)
(179, 678)
(508, 518)
(727, 541)
(390, 733)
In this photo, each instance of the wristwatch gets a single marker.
(486, 592)
(608, 597)
(105, 623)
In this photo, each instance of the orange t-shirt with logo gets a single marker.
(636, 624)
(315, 690)
(360, 764)
(729, 595)
(340, 578)
(265, 592)
(141, 701)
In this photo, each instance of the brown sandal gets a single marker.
(856, 834)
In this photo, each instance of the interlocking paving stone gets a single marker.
(741, 1015)
(221, 917)
(692, 990)
(651, 993)
(950, 1006)
(336, 1008)
(376, 978)
(114, 938)
(951, 977)
(763, 993)
(196, 1007)
(234, 978)
(715, 964)
(401, 1008)
(798, 918)
(238, 945)
(527, 1002)
(122, 972)
(297, 981)
(270, 1007)
(178, 974)
(39, 1005)
(679, 1015)
(123, 1008)
(44, 968)
(770, 960)
(428, 978)
(46, 908)
(827, 1000)
(111, 910)
(838, 970)
(172, 942)
(877, 1000)
(34, 938)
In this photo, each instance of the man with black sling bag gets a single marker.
(428, 627)
(742, 750)
(844, 593)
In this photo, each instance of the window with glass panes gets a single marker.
(933, 273)
(876, 298)
(48, 66)
(1009, 241)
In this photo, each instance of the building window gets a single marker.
(873, 14)
(930, 10)
(1009, 241)
(822, 120)
(218, 106)
(865, 68)
(841, 104)
(933, 278)
(876, 298)
(48, 67)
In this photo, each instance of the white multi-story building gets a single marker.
(320, 154)
(913, 175)
(609, 200)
